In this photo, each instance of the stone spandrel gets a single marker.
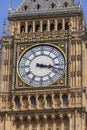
(32, 7)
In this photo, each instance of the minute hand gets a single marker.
(50, 66)
(47, 66)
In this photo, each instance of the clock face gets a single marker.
(41, 65)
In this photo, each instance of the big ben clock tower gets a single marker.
(43, 83)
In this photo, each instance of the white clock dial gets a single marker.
(41, 65)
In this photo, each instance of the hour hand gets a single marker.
(41, 65)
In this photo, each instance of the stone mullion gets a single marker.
(77, 49)
(71, 65)
(54, 126)
(21, 124)
(37, 104)
(63, 23)
(26, 27)
(83, 120)
(79, 123)
(74, 64)
(84, 64)
(61, 99)
(76, 120)
(71, 21)
(53, 100)
(77, 20)
(45, 122)
(55, 25)
(79, 65)
(13, 103)
(41, 25)
(70, 122)
(62, 122)
(13, 126)
(29, 106)
(30, 126)
(69, 100)
(83, 24)
(4, 69)
(33, 26)
(45, 102)
(74, 23)
(48, 25)
(18, 27)
(9, 66)
(21, 102)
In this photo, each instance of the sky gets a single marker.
(4, 5)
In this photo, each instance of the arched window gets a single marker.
(57, 100)
(38, 6)
(65, 99)
(59, 26)
(33, 100)
(66, 123)
(17, 122)
(49, 100)
(67, 26)
(41, 101)
(30, 28)
(53, 5)
(22, 28)
(25, 101)
(37, 27)
(44, 27)
(25, 7)
(52, 26)
(66, 4)
(17, 101)
(25, 121)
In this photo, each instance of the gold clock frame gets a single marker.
(22, 48)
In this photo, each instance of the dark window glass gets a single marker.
(59, 27)
(51, 26)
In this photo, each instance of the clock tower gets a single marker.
(43, 65)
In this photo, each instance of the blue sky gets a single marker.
(4, 5)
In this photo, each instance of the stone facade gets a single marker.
(63, 104)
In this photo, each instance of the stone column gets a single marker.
(63, 23)
(21, 102)
(29, 119)
(37, 104)
(83, 120)
(45, 102)
(45, 120)
(61, 100)
(55, 25)
(33, 26)
(53, 100)
(75, 120)
(13, 127)
(13, 102)
(70, 122)
(18, 27)
(41, 25)
(48, 25)
(77, 23)
(26, 27)
(62, 122)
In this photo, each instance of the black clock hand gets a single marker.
(41, 65)
(46, 66)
